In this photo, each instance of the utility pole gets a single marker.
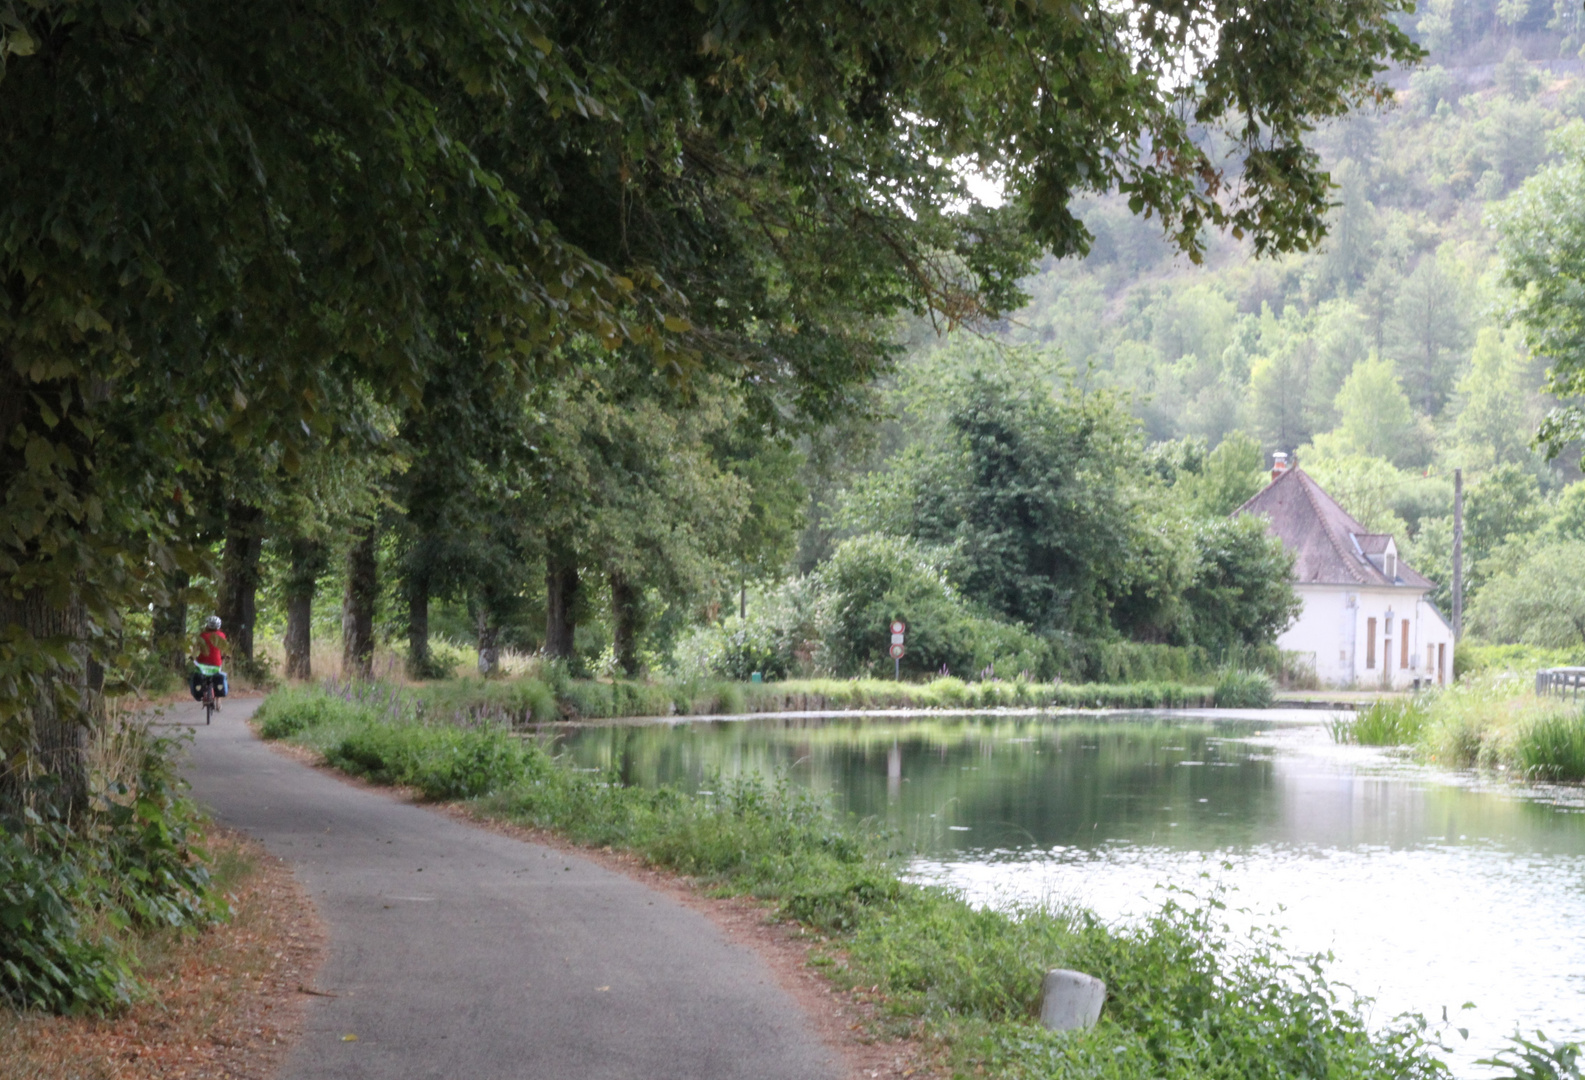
(1458, 554)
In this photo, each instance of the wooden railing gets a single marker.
(1560, 680)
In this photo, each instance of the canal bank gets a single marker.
(967, 969)
(1431, 888)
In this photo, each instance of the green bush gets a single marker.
(776, 639)
(130, 861)
(1137, 662)
(871, 580)
(1240, 689)
(292, 711)
(48, 959)
(1472, 657)
(1540, 1058)
(1185, 1000)
(441, 761)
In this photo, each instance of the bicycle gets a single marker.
(210, 677)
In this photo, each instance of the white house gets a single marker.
(1366, 619)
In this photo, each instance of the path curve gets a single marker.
(460, 954)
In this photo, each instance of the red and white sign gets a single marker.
(899, 628)
(897, 651)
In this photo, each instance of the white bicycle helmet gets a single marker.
(212, 623)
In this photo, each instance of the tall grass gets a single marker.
(538, 699)
(1184, 998)
(1239, 689)
(1492, 721)
(1391, 722)
(1552, 746)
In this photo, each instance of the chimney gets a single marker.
(1279, 464)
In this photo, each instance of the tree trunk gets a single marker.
(239, 576)
(61, 705)
(357, 608)
(561, 594)
(489, 637)
(418, 659)
(302, 582)
(626, 614)
(169, 629)
(45, 630)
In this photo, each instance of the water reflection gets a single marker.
(1432, 890)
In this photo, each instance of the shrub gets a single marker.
(441, 761)
(1473, 658)
(446, 658)
(290, 712)
(129, 861)
(777, 639)
(1133, 662)
(48, 960)
(1239, 689)
(871, 580)
(1538, 1059)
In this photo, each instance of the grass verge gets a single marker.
(1186, 997)
(1492, 721)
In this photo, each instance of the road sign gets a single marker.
(897, 651)
(897, 639)
(898, 628)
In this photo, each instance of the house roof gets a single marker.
(1331, 547)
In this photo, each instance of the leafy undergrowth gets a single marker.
(1186, 996)
(78, 893)
(224, 1001)
(1489, 721)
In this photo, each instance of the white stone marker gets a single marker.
(1071, 1000)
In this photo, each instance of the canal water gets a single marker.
(1432, 890)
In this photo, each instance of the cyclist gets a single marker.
(209, 660)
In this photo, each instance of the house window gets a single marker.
(1430, 659)
(1403, 662)
(1370, 644)
(1441, 664)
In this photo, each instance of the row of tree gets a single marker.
(241, 248)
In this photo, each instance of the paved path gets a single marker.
(458, 954)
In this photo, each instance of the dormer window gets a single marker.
(1391, 567)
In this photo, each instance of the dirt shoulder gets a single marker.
(225, 1002)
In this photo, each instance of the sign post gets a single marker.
(899, 628)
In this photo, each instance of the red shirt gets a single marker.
(209, 651)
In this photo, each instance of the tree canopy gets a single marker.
(222, 224)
